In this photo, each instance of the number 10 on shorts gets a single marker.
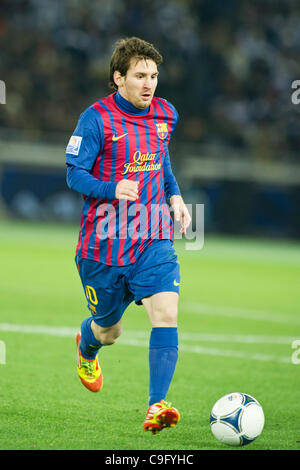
(91, 294)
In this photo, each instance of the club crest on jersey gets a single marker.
(162, 130)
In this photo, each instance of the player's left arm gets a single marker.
(181, 213)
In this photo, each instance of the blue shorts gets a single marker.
(110, 289)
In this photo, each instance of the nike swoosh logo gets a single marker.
(117, 137)
(176, 283)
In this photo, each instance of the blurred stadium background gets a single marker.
(228, 68)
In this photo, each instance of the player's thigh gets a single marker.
(156, 271)
(162, 309)
(106, 292)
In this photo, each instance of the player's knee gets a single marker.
(165, 316)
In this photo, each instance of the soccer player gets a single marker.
(118, 159)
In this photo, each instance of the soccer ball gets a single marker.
(237, 419)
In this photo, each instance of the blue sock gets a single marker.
(163, 355)
(89, 345)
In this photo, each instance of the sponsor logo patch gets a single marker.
(74, 145)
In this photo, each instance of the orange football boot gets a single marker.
(159, 416)
(88, 370)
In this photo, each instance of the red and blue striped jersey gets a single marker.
(112, 144)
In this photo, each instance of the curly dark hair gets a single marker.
(127, 48)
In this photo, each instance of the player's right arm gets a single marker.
(82, 181)
(83, 148)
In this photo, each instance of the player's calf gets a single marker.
(106, 336)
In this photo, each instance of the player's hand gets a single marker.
(181, 213)
(127, 189)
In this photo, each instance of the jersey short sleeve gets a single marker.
(87, 140)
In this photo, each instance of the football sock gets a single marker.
(89, 345)
(163, 355)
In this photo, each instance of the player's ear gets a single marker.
(118, 79)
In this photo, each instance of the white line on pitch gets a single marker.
(66, 331)
(215, 352)
(141, 338)
(223, 338)
(249, 314)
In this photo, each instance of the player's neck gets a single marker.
(127, 106)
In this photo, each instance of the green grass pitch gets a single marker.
(238, 318)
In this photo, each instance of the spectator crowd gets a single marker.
(228, 66)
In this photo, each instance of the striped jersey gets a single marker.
(112, 144)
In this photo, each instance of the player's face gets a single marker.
(139, 84)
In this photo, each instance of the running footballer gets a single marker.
(118, 159)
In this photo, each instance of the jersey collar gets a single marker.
(127, 107)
